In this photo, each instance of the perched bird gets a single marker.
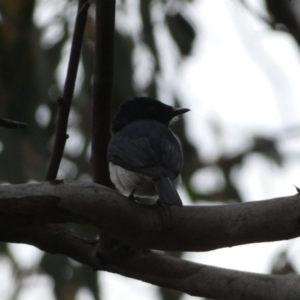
(145, 157)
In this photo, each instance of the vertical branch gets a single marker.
(103, 85)
(66, 100)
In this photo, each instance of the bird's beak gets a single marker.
(178, 111)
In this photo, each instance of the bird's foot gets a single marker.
(159, 202)
(131, 197)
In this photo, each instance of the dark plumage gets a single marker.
(145, 157)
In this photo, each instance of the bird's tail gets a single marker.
(167, 192)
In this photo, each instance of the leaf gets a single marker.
(182, 32)
(268, 148)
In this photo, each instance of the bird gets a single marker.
(145, 157)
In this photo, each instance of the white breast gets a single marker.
(127, 181)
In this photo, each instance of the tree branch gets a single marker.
(189, 228)
(103, 85)
(66, 100)
(11, 124)
(52, 239)
(158, 269)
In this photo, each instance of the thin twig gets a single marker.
(11, 124)
(103, 86)
(66, 100)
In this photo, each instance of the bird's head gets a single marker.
(145, 108)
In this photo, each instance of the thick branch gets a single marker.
(66, 100)
(194, 279)
(190, 228)
(53, 239)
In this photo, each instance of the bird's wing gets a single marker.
(171, 158)
(148, 148)
(138, 156)
(135, 155)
